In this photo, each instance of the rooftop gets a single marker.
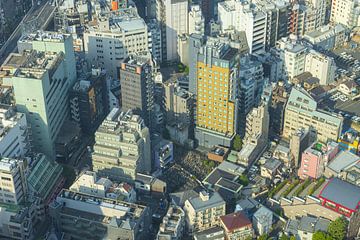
(199, 203)
(8, 119)
(343, 160)
(44, 36)
(342, 193)
(8, 164)
(234, 221)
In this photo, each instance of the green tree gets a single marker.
(319, 235)
(337, 229)
(237, 144)
(284, 237)
(263, 237)
(292, 238)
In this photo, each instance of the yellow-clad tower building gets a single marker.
(217, 68)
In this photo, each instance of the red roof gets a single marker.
(234, 221)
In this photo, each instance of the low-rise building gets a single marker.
(236, 226)
(270, 168)
(306, 226)
(344, 166)
(341, 197)
(262, 220)
(327, 37)
(204, 211)
(214, 233)
(172, 226)
(82, 216)
(45, 179)
(90, 184)
(315, 158)
(350, 140)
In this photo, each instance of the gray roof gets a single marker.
(179, 198)
(343, 161)
(214, 200)
(229, 185)
(313, 224)
(214, 233)
(263, 215)
(215, 176)
(341, 192)
(272, 164)
(307, 224)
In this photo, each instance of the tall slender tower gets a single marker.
(216, 71)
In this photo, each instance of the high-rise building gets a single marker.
(137, 85)
(113, 37)
(301, 111)
(299, 141)
(173, 17)
(345, 12)
(122, 147)
(13, 181)
(244, 16)
(214, 68)
(52, 42)
(196, 20)
(89, 101)
(46, 105)
(99, 218)
(307, 16)
(14, 138)
(320, 66)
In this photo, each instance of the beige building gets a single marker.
(172, 226)
(321, 67)
(345, 12)
(301, 112)
(13, 185)
(122, 147)
(204, 211)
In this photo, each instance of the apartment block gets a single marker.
(315, 158)
(216, 67)
(13, 181)
(321, 67)
(113, 36)
(301, 111)
(299, 142)
(204, 211)
(137, 85)
(345, 12)
(172, 226)
(122, 147)
(14, 135)
(292, 54)
(307, 16)
(98, 218)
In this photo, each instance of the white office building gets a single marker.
(174, 20)
(321, 67)
(196, 20)
(113, 36)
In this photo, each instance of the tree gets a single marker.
(337, 229)
(292, 238)
(263, 237)
(319, 235)
(237, 144)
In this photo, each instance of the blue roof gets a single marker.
(342, 193)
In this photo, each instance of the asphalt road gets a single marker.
(38, 14)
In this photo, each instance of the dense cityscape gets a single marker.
(179, 119)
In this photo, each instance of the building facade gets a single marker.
(301, 111)
(122, 147)
(213, 80)
(321, 67)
